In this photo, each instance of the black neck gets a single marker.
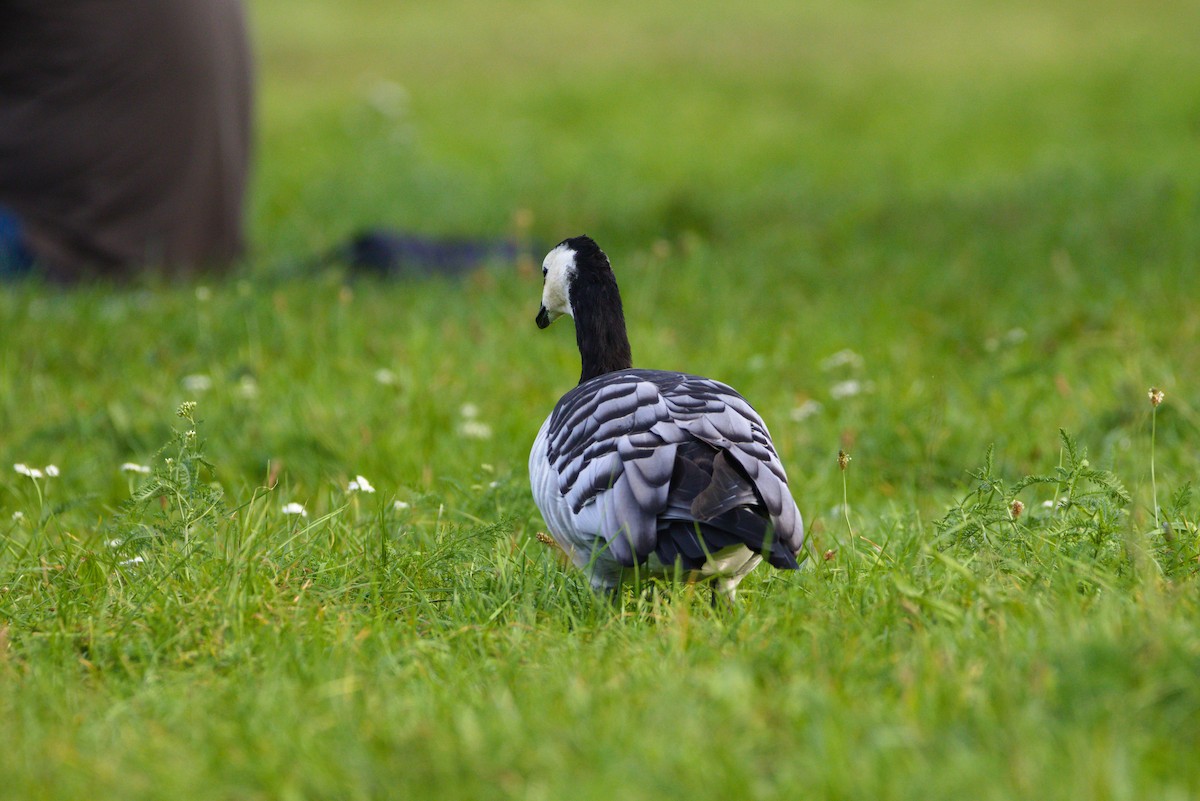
(600, 329)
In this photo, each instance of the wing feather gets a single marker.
(639, 460)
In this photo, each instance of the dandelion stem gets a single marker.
(846, 506)
(1153, 483)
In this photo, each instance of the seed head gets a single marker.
(1156, 396)
(843, 460)
(185, 409)
(1015, 509)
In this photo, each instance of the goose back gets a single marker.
(634, 464)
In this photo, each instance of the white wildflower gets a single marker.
(360, 484)
(114, 543)
(137, 560)
(295, 509)
(132, 467)
(18, 516)
(850, 388)
(197, 382)
(388, 98)
(51, 470)
(474, 429)
(399, 506)
(26, 470)
(385, 376)
(843, 358)
(806, 410)
(1014, 336)
(469, 411)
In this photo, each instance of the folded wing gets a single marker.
(648, 462)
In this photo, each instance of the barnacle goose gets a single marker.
(651, 472)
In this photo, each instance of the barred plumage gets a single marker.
(652, 470)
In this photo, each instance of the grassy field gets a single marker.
(958, 240)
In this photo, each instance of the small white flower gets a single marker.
(131, 467)
(1015, 336)
(26, 470)
(806, 410)
(475, 430)
(51, 470)
(399, 506)
(360, 484)
(114, 543)
(295, 509)
(197, 383)
(388, 98)
(137, 560)
(18, 516)
(1047, 504)
(848, 389)
(385, 376)
(843, 358)
(469, 411)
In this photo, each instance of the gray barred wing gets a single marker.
(611, 446)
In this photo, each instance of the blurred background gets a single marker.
(773, 122)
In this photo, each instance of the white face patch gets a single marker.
(558, 271)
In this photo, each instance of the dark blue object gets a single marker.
(395, 255)
(15, 258)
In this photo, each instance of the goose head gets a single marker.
(577, 256)
(577, 280)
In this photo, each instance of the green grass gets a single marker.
(995, 206)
